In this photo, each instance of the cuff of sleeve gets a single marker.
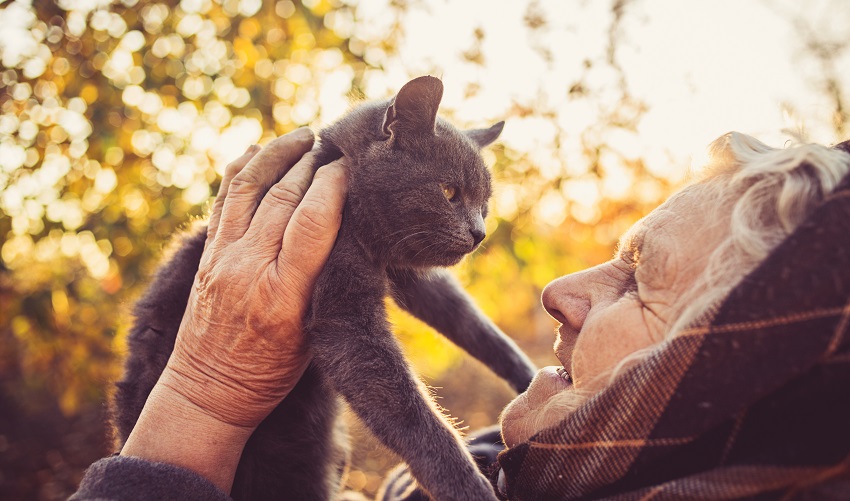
(131, 479)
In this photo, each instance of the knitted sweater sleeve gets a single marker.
(128, 478)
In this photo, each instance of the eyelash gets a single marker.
(629, 289)
(630, 286)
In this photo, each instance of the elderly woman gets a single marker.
(710, 359)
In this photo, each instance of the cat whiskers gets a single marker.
(396, 244)
(435, 243)
(405, 230)
(393, 248)
(408, 228)
(423, 249)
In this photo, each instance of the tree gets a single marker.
(117, 120)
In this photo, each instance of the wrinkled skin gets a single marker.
(235, 360)
(273, 297)
(617, 308)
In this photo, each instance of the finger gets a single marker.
(251, 183)
(230, 172)
(312, 231)
(277, 207)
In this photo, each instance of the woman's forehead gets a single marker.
(689, 209)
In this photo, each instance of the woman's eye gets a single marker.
(629, 285)
(450, 191)
(630, 290)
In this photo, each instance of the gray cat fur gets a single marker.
(398, 229)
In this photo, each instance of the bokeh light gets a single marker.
(117, 118)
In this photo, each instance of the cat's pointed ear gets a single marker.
(414, 108)
(483, 137)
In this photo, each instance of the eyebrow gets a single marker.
(630, 247)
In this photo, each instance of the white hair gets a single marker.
(770, 192)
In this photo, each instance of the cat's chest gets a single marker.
(350, 280)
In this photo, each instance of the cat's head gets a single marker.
(420, 193)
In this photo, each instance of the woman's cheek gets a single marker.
(606, 340)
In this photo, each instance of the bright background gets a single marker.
(117, 118)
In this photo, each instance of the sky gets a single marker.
(703, 67)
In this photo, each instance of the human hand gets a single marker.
(240, 348)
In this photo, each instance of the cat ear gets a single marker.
(483, 137)
(414, 108)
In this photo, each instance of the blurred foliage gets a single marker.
(117, 118)
(824, 47)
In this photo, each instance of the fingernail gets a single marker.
(250, 149)
(342, 163)
(340, 166)
(303, 132)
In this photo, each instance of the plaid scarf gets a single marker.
(755, 405)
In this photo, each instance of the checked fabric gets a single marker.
(755, 405)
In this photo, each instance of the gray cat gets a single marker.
(417, 200)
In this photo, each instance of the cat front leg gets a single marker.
(436, 298)
(353, 347)
(299, 452)
(371, 375)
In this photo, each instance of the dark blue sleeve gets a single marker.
(131, 479)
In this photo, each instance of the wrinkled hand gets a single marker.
(240, 348)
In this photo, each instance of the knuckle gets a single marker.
(215, 210)
(288, 284)
(233, 168)
(284, 195)
(205, 281)
(245, 182)
(314, 222)
(291, 287)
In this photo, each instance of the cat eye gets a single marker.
(450, 191)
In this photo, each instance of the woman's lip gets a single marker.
(546, 383)
(564, 374)
(554, 373)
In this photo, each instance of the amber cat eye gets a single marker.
(449, 191)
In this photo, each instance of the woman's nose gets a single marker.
(567, 299)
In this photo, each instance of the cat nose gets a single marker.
(477, 235)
